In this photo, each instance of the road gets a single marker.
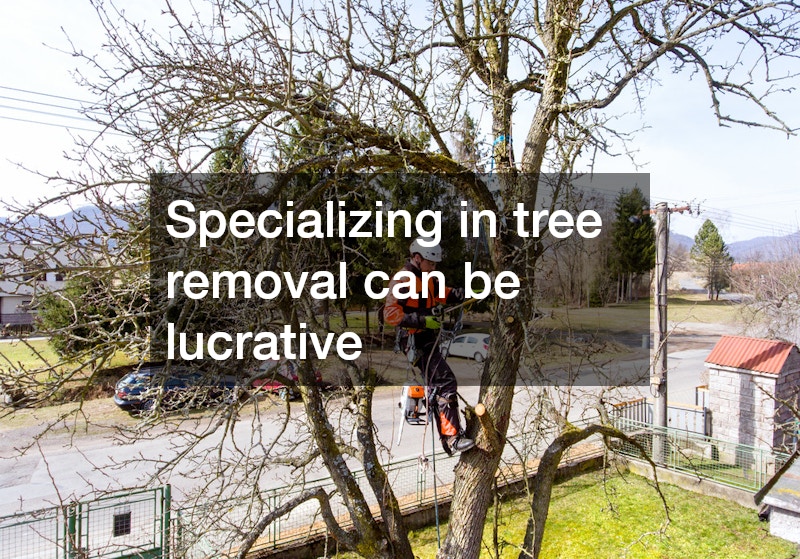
(73, 460)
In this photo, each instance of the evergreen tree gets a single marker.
(231, 153)
(633, 242)
(711, 259)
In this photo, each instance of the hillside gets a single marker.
(753, 250)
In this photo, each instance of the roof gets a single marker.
(753, 354)
(783, 489)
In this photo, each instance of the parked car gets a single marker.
(286, 368)
(172, 389)
(471, 346)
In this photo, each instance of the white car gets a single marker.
(471, 346)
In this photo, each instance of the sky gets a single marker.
(746, 180)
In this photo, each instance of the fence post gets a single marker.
(166, 520)
(421, 484)
(275, 526)
(71, 543)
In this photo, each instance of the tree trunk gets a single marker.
(546, 476)
(475, 473)
(370, 539)
(396, 534)
(326, 314)
(474, 484)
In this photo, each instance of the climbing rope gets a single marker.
(443, 334)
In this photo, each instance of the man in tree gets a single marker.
(416, 317)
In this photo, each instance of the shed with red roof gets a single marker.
(749, 379)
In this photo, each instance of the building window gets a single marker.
(122, 523)
(34, 272)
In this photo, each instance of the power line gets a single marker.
(47, 113)
(31, 92)
(65, 126)
(84, 108)
(747, 222)
(81, 110)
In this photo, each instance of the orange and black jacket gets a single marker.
(410, 312)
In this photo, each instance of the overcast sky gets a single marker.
(746, 180)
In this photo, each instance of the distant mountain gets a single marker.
(765, 248)
(753, 250)
(678, 239)
(760, 249)
(83, 221)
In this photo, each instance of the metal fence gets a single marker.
(124, 526)
(216, 529)
(685, 417)
(737, 465)
(140, 524)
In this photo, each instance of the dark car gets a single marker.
(172, 389)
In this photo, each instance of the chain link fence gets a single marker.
(140, 524)
(123, 526)
(217, 529)
(729, 463)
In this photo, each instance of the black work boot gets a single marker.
(459, 443)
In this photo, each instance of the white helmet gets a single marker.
(432, 252)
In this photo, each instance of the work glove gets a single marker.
(413, 320)
(432, 323)
(457, 294)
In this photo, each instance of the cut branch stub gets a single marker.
(492, 436)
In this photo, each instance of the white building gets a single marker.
(752, 385)
(21, 284)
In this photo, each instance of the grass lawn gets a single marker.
(36, 353)
(637, 315)
(29, 354)
(38, 356)
(696, 307)
(623, 519)
(614, 318)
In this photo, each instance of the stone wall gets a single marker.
(786, 390)
(742, 406)
(746, 406)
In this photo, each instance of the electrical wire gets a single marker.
(46, 113)
(80, 110)
(65, 126)
(79, 113)
(42, 94)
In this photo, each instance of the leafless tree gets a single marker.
(391, 84)
(771, 291)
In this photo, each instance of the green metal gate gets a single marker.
(131, 525)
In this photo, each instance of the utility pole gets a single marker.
(658, 377)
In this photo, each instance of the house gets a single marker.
(20, 284)
(750, 383)
(782, 495)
